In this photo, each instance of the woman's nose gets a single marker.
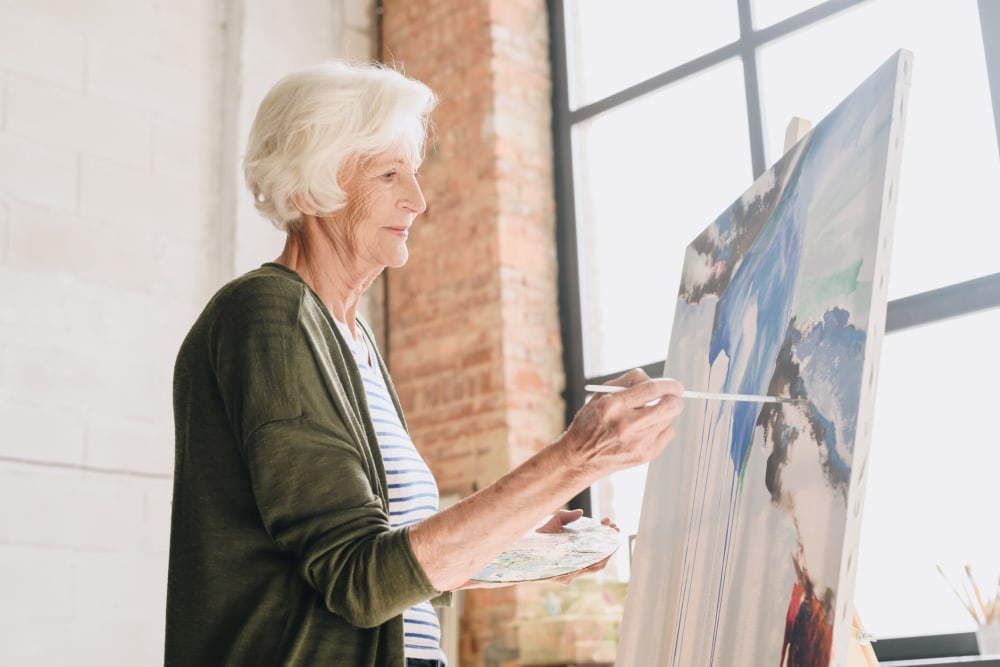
(414, 198)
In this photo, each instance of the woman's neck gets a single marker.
(328, 268)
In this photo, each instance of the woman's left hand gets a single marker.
(555, 524)
(562, 517)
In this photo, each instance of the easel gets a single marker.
(860, 652)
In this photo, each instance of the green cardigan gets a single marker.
(280, 548)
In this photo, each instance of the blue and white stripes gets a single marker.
(413, 493)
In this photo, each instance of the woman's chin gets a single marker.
(397, 259)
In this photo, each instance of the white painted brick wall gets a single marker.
(50, 115)
(70, 509)
(26, 318)
(4, 216)
(147, 84)
(122, 209)
(131, 23)
(174, 141)
(36, 432)
(29, 45)
(38, 174)
(3, 99)
(359, 15)
(127, 198)
(45, 241)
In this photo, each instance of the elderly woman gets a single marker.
(305, 528)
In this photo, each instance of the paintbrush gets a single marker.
(611, 389)
(995, 611)
(965, 603)
(987, 612)
(993, 606)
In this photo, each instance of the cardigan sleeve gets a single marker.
(316, 502)
(311, 481)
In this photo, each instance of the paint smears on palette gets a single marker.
(537, 556)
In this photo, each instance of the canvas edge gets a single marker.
(873, 347)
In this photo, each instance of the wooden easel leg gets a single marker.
(860, 653)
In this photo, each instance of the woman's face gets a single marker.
(383, 199)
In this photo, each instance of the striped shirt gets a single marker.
(413, 493)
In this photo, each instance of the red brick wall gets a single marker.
(473, 329)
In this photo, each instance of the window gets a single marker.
(664, 116)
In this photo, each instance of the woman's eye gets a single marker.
(389, 175)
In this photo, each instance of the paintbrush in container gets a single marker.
(985, 610)
(994, 615)
(967, 603)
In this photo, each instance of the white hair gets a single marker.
(320, 120)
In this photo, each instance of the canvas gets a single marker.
(750, 521)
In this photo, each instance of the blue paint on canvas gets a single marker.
(743, 535)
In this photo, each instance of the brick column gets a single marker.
(473, 330)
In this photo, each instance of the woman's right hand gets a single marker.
(610, 433)
(613, 432)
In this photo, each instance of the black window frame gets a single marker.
(925, 308)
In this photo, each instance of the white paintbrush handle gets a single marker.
(611, 389)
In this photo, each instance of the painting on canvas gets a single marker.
(749, 527)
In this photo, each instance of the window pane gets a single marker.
(649, 176)
(769, 12)
(951, 170)
(613, 45)
(619, 496)
(932, 477)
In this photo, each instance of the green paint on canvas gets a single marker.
(815, 295)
